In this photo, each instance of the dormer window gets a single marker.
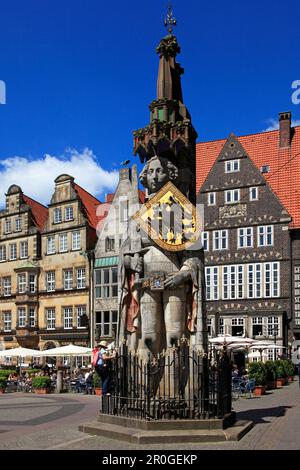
(232, 166)
(265, 169)
(57, 216)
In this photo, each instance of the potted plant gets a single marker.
(41, 384)
(290, 369)
(280, 373)
(271, 374)
(2, 384)
(257, 371)
(97, 384)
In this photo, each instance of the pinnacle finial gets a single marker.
(170, 20)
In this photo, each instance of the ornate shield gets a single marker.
(170, 219)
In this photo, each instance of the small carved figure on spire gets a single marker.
(170, 20)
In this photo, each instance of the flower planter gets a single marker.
(42, 391)
(271, 384)
(280, 382)
(98, 391)
(259, 390)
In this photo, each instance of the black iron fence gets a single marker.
(181, 383)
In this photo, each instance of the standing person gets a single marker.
(102, 367)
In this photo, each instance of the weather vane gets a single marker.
(170, 20)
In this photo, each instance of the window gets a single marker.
(68, 279)
(106, 283)
(50, 245)
(263, 275)
(63, 243)
(32, 317)
(254, 281)
(50, 281)
(32, 283)
(68, 318)
(81, 310)
(205, 241)
(245, 237)
(110, 244)
(50, 317)
(24, 249)
(211, 199)
(232, 196)
(76, 241)
(231, 166)
(221, 326)
(257, 326)
(21, 317)
(22, 283)
(212, 283)
(2, 253)
(271, 280)
(233, 282)
(253, 194)
(13, 251)
(265, 235)
(7, 286)
(107, 322)
(69, 213)
(265, 169)
(7, 226)
(18, 225)
(57, 215)
(7, 321)
(273, 326)
(81, 278)
(237, 326)
(220, 239)
(209, 327)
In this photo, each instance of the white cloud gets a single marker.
(274, 124)
(36, 177)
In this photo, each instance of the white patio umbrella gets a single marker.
(19, 353)
(230, 339)
(69, 350)
(257, 354)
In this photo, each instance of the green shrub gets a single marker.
(96, 380)
(41, 382)
(289, 367)
(280, 369)
(271, 370)
(6, 372)
(2, 383)
(257, 371)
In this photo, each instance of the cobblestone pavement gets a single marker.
(29, 421)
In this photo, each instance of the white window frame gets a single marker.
(233, 282)
(24, 249)
(106, 324)
(63, 243)
(220, 240)
(21, 317)
(6, 286)
(271, 279)
(80, 310)
(2, 253)
(68, 279)
(18, 224)
(50, 319)
(57, 218)
(251, 196)
(32, 283)
(243, 235)
(205, 240)
(238, 321)
(7, 321)
(264, 232)
(272, 322)
(76, 240)
(68, 318)
(212, 282)
(69, 213)
(221, 326)
(232, 166)
(50, 281)
(211, 199)
(81, 278)
(13, 251)
(22, 283)
(32, 317)
(257, 321)
(7, 226)
(107, 288)
(51, 245)
(234, 196)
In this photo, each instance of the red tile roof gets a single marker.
(90, 204)
(263, 149)
(39, 212)
(109, 197)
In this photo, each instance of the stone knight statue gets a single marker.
(162, 288)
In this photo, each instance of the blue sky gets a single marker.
(80, 75)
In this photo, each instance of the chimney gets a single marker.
(285, 129)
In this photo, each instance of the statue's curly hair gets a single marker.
(168, 166)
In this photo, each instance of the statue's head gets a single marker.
(157, 172)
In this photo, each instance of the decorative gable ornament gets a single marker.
(170, 219)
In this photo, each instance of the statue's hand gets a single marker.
(177, 279)
(137, 264)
